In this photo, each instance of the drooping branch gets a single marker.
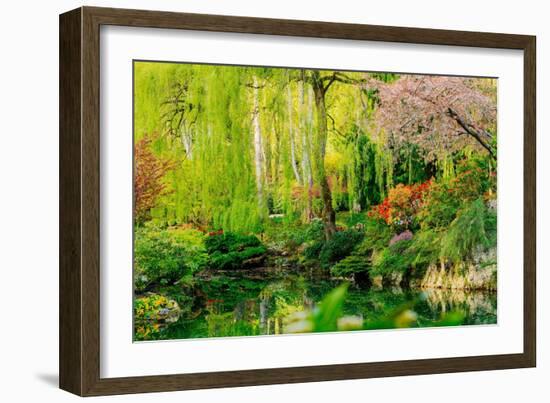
(469, 129)
(180, 117)
(338, 76)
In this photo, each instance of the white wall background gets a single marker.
(29, 198)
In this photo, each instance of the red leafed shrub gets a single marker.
(402, 204)
(149, 171)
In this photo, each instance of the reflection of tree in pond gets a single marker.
(246, 306)
(249, 306)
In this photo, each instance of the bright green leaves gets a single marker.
(325, 317)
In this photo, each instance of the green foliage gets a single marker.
(377, 236)
(313, 250)
(292, 235)
(165, 256)
(355, 219)
(470, 230)
(352, 264)
(230, 242)
(325, 317)
(366, 178)
(447, 196)
(232, 251)
(338, 247)
(311, 232)
(424, 248)
(396, 258)
(410, 166)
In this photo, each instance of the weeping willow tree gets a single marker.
(254, 141)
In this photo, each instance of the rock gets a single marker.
(479, 274)
(394, 279)
(459, 300)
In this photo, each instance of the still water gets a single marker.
(245, 303)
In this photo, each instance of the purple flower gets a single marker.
(404, 236)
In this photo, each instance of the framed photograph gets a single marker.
(248, 201)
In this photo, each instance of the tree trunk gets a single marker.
(291, 135)
(258, 145)
(187, 142)
(306, 117)
(329, 216)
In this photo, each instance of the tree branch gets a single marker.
(471, 131)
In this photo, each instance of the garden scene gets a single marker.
(280, 201)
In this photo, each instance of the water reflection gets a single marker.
(242, 305)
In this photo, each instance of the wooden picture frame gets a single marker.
(80, 185)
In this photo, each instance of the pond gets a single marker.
(242, 303)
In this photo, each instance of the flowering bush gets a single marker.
(402, 205)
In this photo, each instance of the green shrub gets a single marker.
(377, 236)
(165, 256)
(224, 261)
(352, 219)
(230, 242)
(313, 250)
(291, 236)
(440, 207)
(425, 248)
(229, 251)
(445, 198)
(350, 265)
(252, 252)
(396, 258)
(311, 232)
(338, 247)
(474, 227)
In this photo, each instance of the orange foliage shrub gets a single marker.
(402, 204)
